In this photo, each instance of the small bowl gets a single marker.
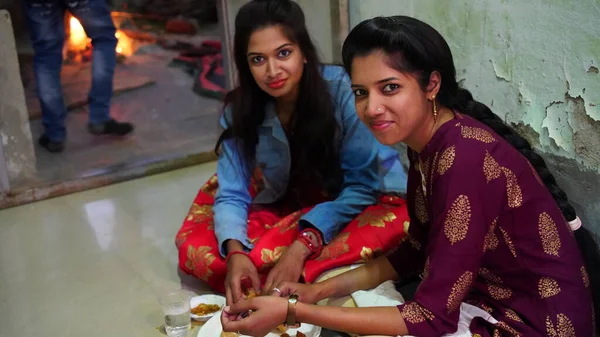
(206, 299)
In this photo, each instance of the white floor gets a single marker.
(91, 264)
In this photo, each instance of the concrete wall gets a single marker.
(18, 158)
(536, 64)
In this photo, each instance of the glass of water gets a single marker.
(176, 309)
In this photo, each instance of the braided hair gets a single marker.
(414, 47)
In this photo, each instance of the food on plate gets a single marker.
(229, 334)
(205, 309)
(282, 328)
(298, 334)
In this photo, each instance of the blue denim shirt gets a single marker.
(368, 168)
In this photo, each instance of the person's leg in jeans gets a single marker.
(95, 18)
(47, 35)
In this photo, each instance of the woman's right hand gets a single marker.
(307, 293)
(239, 267)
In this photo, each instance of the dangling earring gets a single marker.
(435, 112)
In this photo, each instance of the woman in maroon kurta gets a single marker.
(487, 234)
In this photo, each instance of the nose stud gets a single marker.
(379, 109)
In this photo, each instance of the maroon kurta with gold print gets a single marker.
(485, 230)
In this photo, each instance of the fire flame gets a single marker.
(77, 38)
(79, 41)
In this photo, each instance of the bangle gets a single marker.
(312, 240)
(234, 253)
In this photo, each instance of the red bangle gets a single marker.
(314, 247)
(234, 253)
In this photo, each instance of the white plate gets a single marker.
(213, 328)
(206, 299)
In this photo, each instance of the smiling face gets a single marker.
(391, 103)
(276, 63)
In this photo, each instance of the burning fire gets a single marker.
(79, 43)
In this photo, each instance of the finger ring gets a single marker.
(277, 290)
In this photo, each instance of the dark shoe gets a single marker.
(51, 146)
(112, 127)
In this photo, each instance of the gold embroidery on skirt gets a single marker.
(368, 254)
(375, 218)
(335, 248)
(271, 257)
(199, 261)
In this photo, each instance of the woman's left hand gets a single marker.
(288, 268)
(267, 313)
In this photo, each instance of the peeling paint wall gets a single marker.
(535, 63)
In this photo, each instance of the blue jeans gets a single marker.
(46, 21)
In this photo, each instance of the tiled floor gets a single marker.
(91, 264)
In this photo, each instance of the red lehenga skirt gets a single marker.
(273, 228)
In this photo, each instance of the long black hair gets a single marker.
(314, 128)
(416, 48)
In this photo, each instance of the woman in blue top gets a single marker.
(299, 176)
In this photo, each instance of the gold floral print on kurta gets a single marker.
(446, 160)
(548, 287)
(459, 290)
(414, 242)
(288, 223)
(335, 248)
(479, 134)
(458, 218)
(513, 191)
(376, 218)
(508, 329)
(420, 209)
(513, 315)
(550, 330)
(496, 288)
(564, 326)
(549, 234)
(585, 276)
(432, 172)
(414, 313)
(491, 168)
(481, 305)
(491, 240)
(199, 261)
(509, 242)
(271, 257)
(425, 269)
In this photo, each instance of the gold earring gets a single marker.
(435, 112)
